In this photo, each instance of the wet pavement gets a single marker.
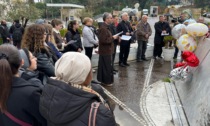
(128, 87)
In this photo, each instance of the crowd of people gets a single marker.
(46, 80)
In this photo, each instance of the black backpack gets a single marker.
(17, 34)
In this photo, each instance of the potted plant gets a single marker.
(168, 49)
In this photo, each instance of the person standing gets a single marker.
(90, 39)
(161, 28)
(113, 29)
(143, 33)
(73, 38)
(124, 26)
(4, 32)
(57, 26)
(17, 32)
(106, 47)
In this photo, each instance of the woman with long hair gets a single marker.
(34, 40)
(19, 100)
(50, 41)
(73, 38)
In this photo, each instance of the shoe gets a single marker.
(108, 85)
(122, 65)
(154, 57)
(126, 64)
(144, 59)
(160, 57)
(95, 82)
(139, 60)
(115, 70)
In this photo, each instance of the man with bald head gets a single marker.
(142, 34)
(4, 31)
(124, 26)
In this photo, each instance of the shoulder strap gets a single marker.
(16, 120)
(93, 112)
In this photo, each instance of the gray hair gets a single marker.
(143, 16)
(106, 15)
(124, 13)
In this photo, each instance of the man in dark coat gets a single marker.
(161, 28)
(124, 26)
(106, 47)
(4, 32)
(17, 38)
(113, 29)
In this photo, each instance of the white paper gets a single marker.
(125, 37)
(118, 33)
(164, 34)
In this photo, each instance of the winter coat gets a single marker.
(17, 25)
(159, 27)
(142, 30)
(45, 63)
(70, 106)
(125, 27)
(89, 37)
(106, 45)
(4, 33)
(23, 103)
(73, 40)
(113, 29)
(54, 49)
(33, 77)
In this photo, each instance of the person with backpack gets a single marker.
(19, 99)
(71, 99)
(17, 32)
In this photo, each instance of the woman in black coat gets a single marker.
(71, 97)
(34, 40)
(18, 98)
(73, 38)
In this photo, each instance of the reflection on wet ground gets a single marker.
(128, 86)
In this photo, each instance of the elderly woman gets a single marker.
(89, 37)
(71, 99)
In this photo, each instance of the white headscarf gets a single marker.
(72, 67)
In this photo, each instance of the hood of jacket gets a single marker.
(61, 103)
(27, 74)
(17, 25)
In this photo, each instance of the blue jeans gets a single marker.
(142, 47)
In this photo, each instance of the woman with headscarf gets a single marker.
(71, 99)
(19, 99)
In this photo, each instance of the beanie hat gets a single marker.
(24, 53)
(72, 67)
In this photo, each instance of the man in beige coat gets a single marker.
(143, 33)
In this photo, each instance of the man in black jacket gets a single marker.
(162, 28)
(113, 29)
(17, 31)
(4, 32)
(124, 26)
